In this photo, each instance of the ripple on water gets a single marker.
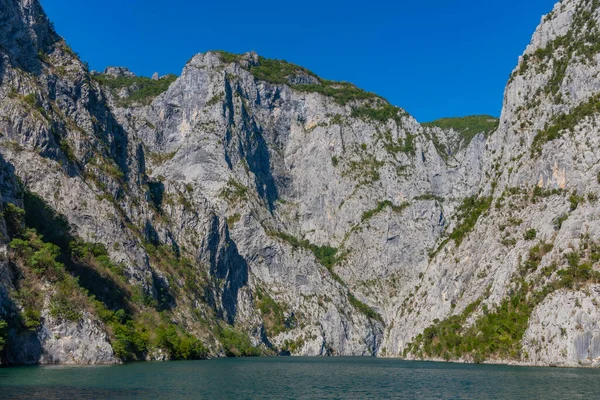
(298, 378)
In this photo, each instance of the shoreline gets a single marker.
(511, 363)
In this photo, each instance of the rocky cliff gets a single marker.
(249, 207)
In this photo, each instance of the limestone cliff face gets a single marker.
(532, 254)
(248, 206)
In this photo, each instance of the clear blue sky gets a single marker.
(435, 58)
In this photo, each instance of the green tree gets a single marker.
(3, 333)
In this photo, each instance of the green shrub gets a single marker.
(574, 200)
(31, 100)
(146, 88)
(564, 122)
(161, 158)
(3, 333)
(530, 234)
(380, 207)
(539, 192)
(231, 220)
(429, 196)
(498, 333)
(272, 313)
(113, 170)
(214, 100)
(234, 191)
(67, 150)
(395, 146)
(236, 343)
(128, 341)
(227, 57)
(582, 40)
(467, 215)
(467, 127)
(341, 92)
(366, 170)
(558, 221)
(38, 255)
(409, 144)
(133, 338)
(14, 217)
(63, 304)
(293, 345)
(579, 270)
(381, 112)
(535, 256)
(29, 296)
(179, 345)
(279, 72)
(326, 255)
(363, 308)
(32, 318)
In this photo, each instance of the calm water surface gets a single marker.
(299, 378)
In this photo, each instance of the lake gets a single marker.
(298, 378)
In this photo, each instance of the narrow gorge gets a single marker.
(249, 207)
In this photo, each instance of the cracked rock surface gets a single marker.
(309, 216)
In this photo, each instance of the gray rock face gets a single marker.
(118, 71)
(60, 342)
(564, 330)
(536, 180)
(25, 31)
(314, 224)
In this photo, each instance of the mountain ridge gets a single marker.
(251, 208)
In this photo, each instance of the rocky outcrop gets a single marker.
(564, 330)
(250, 207)
(119, 71)
(61, 342)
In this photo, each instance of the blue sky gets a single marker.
(435, 58)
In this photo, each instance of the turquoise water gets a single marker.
(299, 378)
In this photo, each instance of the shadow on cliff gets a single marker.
(79, 99)
(26, 38)
(259, 161)
(22, 346)
(110, 132)
(110, 139)
(55, 229)
(228, 271)
(252, 147)
(25, 34)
